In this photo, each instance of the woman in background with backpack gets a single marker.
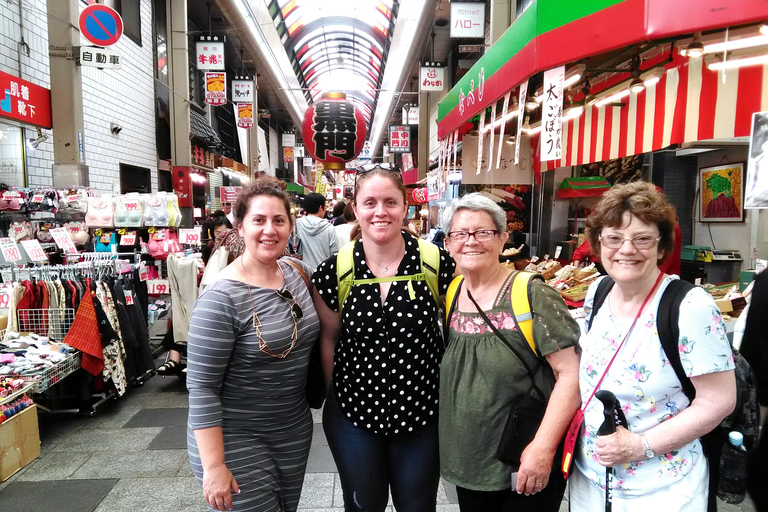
(381, 350)
(657, 460)
(496, 357)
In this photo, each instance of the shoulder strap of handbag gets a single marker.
(519, 298)
(429, 255)
(300, 271)
(512, 347)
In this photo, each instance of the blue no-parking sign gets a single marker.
(101, 25)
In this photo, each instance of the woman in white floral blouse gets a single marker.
(657, 461)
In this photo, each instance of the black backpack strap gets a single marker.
(603, 289)
(667, 322)
(669, 330)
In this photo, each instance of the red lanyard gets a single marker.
(640, 312)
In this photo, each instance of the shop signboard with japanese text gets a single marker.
(289, 139)
(242, 91)
(95, 57)
(552, 115)
(467, 19)
(399, 138)
(210, 55)
(245, 115)
(215, 88)
(432, 78)
(24, 101)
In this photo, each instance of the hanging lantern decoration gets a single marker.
(420, 195)
(334, 130)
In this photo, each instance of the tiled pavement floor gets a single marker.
(132, 456)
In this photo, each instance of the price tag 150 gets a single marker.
(158, 287)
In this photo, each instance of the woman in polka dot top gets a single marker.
(381, 356)
(480, 376)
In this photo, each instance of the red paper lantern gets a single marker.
(334, 130)
(420, 195)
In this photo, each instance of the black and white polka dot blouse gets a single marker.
(387, 362)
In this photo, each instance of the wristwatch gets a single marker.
(649, 453)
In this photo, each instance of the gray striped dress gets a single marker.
(258, 400)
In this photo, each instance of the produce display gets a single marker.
(571, 282)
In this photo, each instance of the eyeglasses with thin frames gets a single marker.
(481, 235)
(641, 242)
(296, 313)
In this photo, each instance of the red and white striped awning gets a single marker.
(690, 103)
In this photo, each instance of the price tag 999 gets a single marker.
(129, 238)
(158, 287)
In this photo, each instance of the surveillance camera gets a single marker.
(34, 142)
(115, 128)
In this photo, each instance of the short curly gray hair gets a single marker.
(475, 202)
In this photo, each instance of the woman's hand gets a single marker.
(535, 467)
(218, 486)
(619, 448)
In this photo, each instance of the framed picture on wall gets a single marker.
(722, 193)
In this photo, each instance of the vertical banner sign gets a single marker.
(215, 88)
(245, 115)
(552, 115)
(493, 135)
(432, 186)
(242, 91)
(480, 138)
(503, 124)
(210, 55)
(520, 119)
(288, 155)
(455, 149)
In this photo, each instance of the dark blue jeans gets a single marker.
(369, 464)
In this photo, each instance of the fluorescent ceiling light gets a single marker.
(510, 115)
(613, 97)
(573, 112)
(736, 44)
(401, 46)
(738, 63)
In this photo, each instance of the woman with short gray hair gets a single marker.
(481, 376)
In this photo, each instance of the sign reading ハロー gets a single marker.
(24, 101)
(467, 19)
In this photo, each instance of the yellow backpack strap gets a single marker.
(429, 254)
(521, 306)
(345, 271)
(450, 296)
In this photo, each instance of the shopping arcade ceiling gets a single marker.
(300, 48)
